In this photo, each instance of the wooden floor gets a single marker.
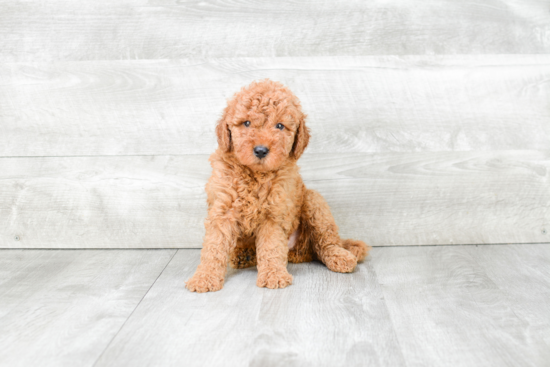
(404, 306)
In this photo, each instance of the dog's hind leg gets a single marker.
(244, 254)
(337, 254)
(359, 248)
(300, 250)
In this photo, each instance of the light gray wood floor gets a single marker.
(404, 306)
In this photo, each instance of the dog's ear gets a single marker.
(301, 139)
(223, 132)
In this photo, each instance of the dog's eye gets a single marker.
(247, 123)
(280, 126)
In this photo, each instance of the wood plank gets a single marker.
(355, 104)
(399, 199)
(439, 198)
(62, 308)
(163, 29)
(447, 311)
(323, 319)
(103, 202)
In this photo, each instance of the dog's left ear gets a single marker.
(301, 139)
(223, 132)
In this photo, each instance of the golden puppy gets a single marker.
(259, 210)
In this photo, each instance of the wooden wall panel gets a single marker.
(386, 199)
(430, 120)
(103, 202)
(168, 29)
(355, 104)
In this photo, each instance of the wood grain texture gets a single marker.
(175, 326)
(414, 306)
(107, 202)
(159, 29)
(447, 309)
(355, 104)
(62, 308)
(399, 199)
(323, 319)
(522, 272)
(326, 319)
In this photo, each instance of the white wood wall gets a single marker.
(430, 120)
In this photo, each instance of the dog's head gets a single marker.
(264, 126)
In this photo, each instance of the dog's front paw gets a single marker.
(274, 279)
(340, 261)
(204, 282)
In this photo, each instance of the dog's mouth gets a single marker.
(263, 164)
(259, 165)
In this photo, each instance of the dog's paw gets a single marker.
(204, 282)
(274, 279)
(341, 261)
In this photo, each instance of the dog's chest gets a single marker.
(252, 204)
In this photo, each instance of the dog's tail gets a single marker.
(359, 248)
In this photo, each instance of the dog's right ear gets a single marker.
(223, 132)
(301, 139)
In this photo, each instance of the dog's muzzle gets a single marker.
(260, 151)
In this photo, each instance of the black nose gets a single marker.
(260, 151)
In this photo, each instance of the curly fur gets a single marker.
(259, 210)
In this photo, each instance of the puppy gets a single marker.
(259, 210)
